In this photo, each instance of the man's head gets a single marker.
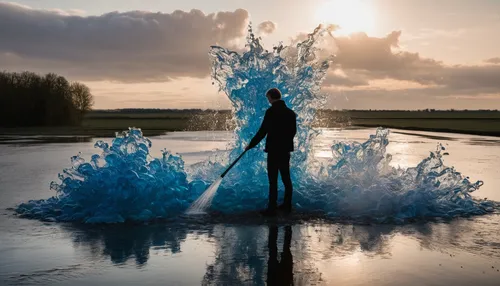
(273, 95)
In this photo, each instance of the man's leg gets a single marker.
(272, 173)
(287, 180)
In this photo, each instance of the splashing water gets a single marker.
(122, 183)
(205, 200)
(125, 183)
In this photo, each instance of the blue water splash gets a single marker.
(125, 183)
(246, 77)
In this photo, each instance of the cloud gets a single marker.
(266, 28)
(362, 60)
(494, 61)
(378, 58)
(345, 78)
(140, 46)
(131, 46)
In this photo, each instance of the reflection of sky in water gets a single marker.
(238, 254)
(187, 253)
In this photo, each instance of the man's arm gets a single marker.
(260, 134)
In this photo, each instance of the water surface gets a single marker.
(242, 250)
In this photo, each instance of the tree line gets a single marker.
(29, 99)
(158, 110)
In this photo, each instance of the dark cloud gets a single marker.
(267, 27)
(131, 46)
(494, 61)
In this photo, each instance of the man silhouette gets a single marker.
(279, 272)
(280, 126)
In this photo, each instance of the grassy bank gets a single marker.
(157, 122)
(467, 122)
(152, 123)
(70, 131)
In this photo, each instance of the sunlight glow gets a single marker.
(350, 15)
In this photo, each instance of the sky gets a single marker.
(404, 54)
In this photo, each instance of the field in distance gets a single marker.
(104, 123)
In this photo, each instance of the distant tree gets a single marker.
(28, 99)
(82, 98)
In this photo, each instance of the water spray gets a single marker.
(204, 201)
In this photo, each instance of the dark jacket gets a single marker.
(280, 126)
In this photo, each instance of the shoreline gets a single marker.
(437, 130)
(82, 133)
(105, 124)
(73, 132)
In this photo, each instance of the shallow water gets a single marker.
(235, 250)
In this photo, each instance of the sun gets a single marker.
(350, 15)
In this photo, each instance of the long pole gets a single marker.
(235, 161)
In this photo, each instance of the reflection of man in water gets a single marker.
(280, 126)
(279, 272)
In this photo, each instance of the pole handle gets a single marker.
(234, 163)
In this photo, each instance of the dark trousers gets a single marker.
(279, 162)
